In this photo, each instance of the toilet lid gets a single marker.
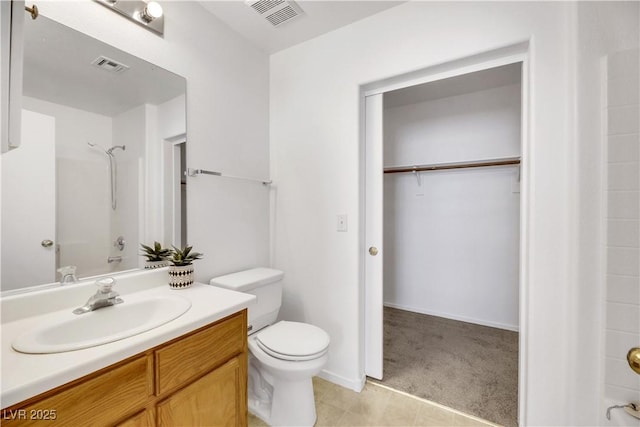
(293, 341)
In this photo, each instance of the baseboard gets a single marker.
(352, 384)
(514, 328)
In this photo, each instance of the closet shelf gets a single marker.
(507, 161)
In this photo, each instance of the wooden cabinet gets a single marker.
(199, 379)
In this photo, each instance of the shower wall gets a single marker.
(606, 161)
(622, 223)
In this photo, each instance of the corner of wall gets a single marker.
(355, 384)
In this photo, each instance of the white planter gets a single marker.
(180, 277)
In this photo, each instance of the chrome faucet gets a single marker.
(105, 297)
(68, 274)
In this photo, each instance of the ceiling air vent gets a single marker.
(110, 65)
(277, 12)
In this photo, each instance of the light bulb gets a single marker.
(151, 11)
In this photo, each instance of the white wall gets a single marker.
(623, 224)
(316, 163)
(227, 85)
(452, 240)
(172, 120)
(475, 126)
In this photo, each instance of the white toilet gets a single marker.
(283, 356)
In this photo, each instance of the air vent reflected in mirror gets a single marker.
(109, 64)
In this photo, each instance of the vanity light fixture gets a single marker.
(147, 14)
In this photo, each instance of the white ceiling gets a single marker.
(319, 17)
(58, 69)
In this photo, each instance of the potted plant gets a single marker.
(181, 267)
(156, 255)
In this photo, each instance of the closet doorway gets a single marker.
(443, 323)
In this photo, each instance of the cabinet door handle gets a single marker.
(46, 243)
(373, 251)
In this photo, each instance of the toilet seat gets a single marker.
(293, 341)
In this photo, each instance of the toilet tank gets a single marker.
(265, 284)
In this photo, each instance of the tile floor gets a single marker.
(377, 405)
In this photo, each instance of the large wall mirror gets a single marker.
(100, 164)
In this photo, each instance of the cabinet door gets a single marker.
(141, 419)
(216, 399)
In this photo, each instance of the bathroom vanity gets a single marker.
(189, 371)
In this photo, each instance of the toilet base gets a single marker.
(297, 411)
(260, 410)
(293, 404)
(281, 393)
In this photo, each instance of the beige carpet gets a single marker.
(464, 366)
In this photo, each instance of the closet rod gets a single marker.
(458, 165)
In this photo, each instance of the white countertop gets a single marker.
(27, 375)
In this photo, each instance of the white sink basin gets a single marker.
(65, 331)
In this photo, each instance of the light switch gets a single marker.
(342, 222)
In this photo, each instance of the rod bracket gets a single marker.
(416, 172)
(33, 11)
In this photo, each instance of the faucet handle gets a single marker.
(105, 285)
(68, 273)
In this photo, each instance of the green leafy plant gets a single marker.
(184, 256)
(155, 252)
